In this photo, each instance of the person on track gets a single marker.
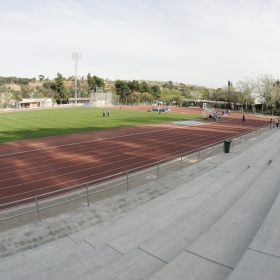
(243, 118)
(276, 122)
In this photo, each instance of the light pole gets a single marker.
(76, 56)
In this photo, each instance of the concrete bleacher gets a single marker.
(262, 258)
(222, 222)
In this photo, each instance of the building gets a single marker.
(80, 101)
(34, 103)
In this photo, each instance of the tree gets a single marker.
(245, 93)
(156, 92)
(5, 97)
(41, 77)
(135, 97)
(277, 93)
(219, 94)
(135, 86)
(146, 97)
(169, 95)
(145, 87)
(122, 89)
(168, 85)
(264, 87)
(61, 92)
(205, 93)
(95, 82)
(47, 84)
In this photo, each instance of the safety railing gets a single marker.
(126, 177)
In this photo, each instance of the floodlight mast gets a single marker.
(76, 56)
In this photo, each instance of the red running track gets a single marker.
(33, 167)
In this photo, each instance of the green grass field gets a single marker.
(23, 125)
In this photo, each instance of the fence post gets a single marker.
(198, 156)
(127, 181)
(87, 194)
(181, 162)
(37, 206)
(157, 170)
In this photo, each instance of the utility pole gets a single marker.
(76, 56)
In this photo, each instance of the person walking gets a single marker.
(243, 118)
(108, 113)
(277, 122)
(270, 122)
(104, 113)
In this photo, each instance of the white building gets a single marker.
(34, 103)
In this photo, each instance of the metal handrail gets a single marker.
(118, 175)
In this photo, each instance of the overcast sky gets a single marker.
(190, 41)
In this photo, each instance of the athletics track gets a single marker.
(32, 167)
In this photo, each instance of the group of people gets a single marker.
(226, 112)
(104, 113)
(274, 124)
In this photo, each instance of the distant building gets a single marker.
(80, 101)
(34, 103)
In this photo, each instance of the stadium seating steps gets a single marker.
(222, 224)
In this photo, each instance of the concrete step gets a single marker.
(137, 265)
(191, 264)
(79, 265)
(176, 269)
(227, 240)
(179, 214)
(256, 265)
(126, 225)
(125, 222)
(262, 259)
(170, 243)
(35, 253)
(46, 261)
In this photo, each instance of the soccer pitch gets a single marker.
(23, 125)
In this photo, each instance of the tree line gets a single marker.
(20, 81)
(264, 88)
(135, 92)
